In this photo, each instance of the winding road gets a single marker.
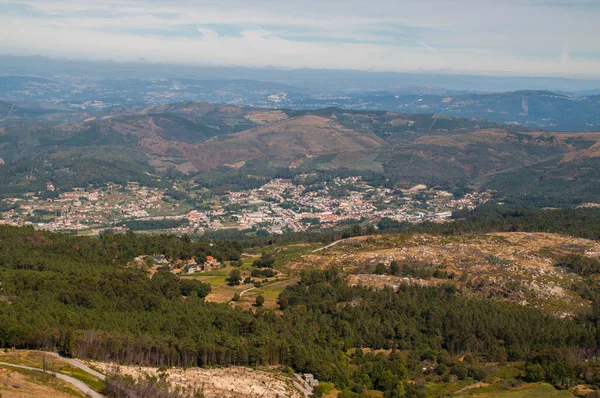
(73, 381)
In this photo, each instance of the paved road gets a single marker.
(79, 365)
(77, 383)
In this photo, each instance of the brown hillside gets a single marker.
(303, 135)
(463, 140)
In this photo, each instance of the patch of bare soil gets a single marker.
(232, 382)
(400, 122)
(472, 387)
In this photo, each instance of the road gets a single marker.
(73, 381)
(328, 246)
(79, 365)
(247, 290)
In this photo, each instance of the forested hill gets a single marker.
(77, 295)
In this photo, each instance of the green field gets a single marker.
(540, 390)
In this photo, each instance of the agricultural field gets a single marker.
(222, 292)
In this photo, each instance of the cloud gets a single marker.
(208, 34)
(484, 36)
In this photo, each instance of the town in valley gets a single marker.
(278, 206)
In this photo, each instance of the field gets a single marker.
(283, 255)
(540, 390)
(496, 385)
(223, 293)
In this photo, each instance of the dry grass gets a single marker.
(16, 383)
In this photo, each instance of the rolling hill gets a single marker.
(191, 138)
(306, 136)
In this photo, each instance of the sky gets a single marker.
(491, 37)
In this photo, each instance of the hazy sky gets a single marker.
(503, 37)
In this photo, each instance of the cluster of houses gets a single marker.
(278, 206)
(180, 267)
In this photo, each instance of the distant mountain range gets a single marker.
(536, 109)
(317, 81)
(69, 95)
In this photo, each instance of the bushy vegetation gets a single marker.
(146, 386)
(265, 261)
(147, 225)
(581, 265)
(263, 273)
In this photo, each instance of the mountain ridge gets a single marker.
(195, 138)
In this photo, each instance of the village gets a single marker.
(276, 207)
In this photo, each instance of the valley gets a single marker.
(299, 199)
